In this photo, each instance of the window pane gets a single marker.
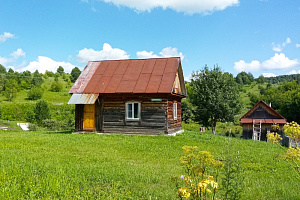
(136, 110)
(129, 110)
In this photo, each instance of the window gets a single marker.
(175, 110)
(133, 110)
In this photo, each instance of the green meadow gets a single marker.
(60, 165)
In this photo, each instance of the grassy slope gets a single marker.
(65, 166)
(52, 97)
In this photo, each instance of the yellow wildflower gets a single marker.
(183, 192)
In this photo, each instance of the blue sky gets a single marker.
(257, 36)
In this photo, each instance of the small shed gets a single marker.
(258, 120)
(129, 96)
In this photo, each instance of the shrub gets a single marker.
(32, 127)
(56, 86)
(35, 93)
(51, 124)
(41, 111)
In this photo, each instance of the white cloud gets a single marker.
(107, 53)
(297, 45)
(269, 75)
(293, 72)
(279, 47)
(166, 52)
(171, 52)
(278, 61)
(18, 53)
(6, 36)
(44, 63)
(14, 56)
(187, 6)
(4, 61)
(145, 54)
(243, 66)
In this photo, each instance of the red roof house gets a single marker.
(258, 120)
(129, 96)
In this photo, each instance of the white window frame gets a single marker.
(132, 114)
(175, 110)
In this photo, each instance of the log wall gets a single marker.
(174, 124)
(248, 131)
(153, 115)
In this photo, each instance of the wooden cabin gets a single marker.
(258, 120)
(140, 96)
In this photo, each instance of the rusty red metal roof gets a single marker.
(156, 75)
(265, 121)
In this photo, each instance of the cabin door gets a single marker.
(89, 117)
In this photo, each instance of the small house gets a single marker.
(258, 120)
(129, 96)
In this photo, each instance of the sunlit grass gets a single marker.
(68, 166)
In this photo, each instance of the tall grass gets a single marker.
(64, 166)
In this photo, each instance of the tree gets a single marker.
(215, 95)
(261, 79)
(60, 70)
(75, 74)
(243, 78)
(11, 89)
(41, 111)
(37, 79)
(2, 69)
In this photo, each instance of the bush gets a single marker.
(0, 111)
(51, 124)
(41, 111)
(32, 127)
(35, 93)
(56, 86)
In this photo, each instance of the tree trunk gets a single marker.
(213, 127)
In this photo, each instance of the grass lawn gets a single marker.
(40, 165)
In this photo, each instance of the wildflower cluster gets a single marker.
(292, 155)
(198, 184)
(292, 130)
(274, 137)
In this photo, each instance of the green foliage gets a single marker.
(15, 111)
(11, 89)
(0, 111)
(41, 111)
(244, 79)
(75, 74)
(282, 78)
(51, 124)
(37, 79)
(60, 70)
(2, 69)
(49, 73)
(232, 180)
(216, 96)
(35, 93)
(261, 79)
(11, 71)
(56, 86)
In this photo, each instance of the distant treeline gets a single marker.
(283, 78)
